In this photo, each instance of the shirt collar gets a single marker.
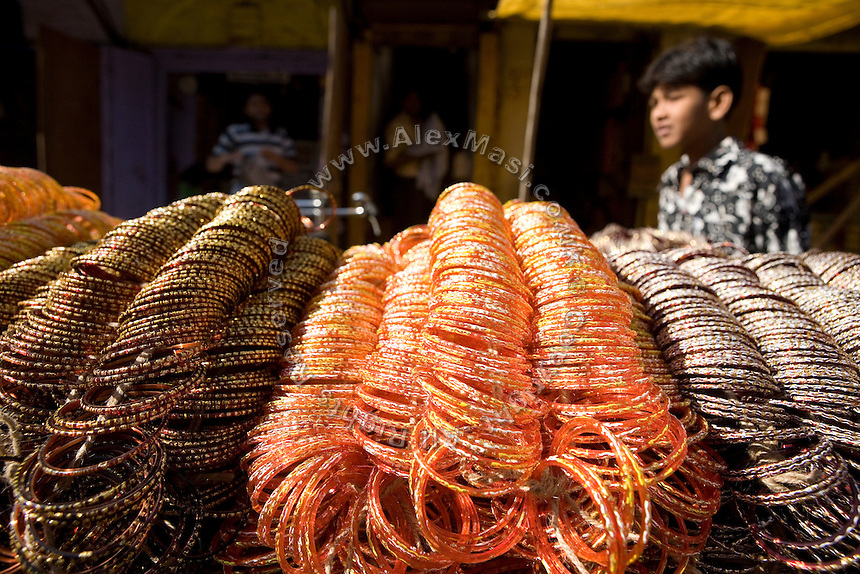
(729, 144)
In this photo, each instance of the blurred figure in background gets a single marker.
(719, 189)
(259, 153)
(418, 161)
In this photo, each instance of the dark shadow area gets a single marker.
(592, 124)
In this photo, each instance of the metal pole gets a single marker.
(538, 73)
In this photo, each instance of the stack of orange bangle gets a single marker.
(37, 213)
(479, 439)
(588, 366)
(388, 401)
(305, 467)
(480, 405)
(25, 192)
(512, 436)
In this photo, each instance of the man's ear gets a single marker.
(720, 102)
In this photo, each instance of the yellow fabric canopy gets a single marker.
(287, 24)
(776, 22)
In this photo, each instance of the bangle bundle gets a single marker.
(205, 432)
(185, 360)
(25, 192)
(587, 364)
(836, 310)
(478, 441)
(47, 352)
(434, 435)
(837, 268)
(207, 427)
(75, 321)
(22, 281)
(814, 373)
(26, 238)
(820, 384)
(772, 427)
(388, 401)
(480, 404)
(305, 467)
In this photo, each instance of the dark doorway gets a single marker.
(202, 105)
(591, 124)
(814, 125)
(442, 77)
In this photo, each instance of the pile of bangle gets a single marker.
(46, 353)
(820, 384)
(587, 364)
(206, 429)
(388, 402)
(714, 359)
(837, 310)
(25, 192)
(413, 431)
(817, 376)
(22, 281)
(482, 421)
(31, 237)
(478, 442)
(142, 413)
(89, 299)
(205, 432)
(305, 467)
(792, 489)
(163, 335)
(485, 393)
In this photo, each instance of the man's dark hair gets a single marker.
(704, 62)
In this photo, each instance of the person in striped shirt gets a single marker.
(259, 153)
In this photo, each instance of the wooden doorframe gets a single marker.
(68, 90)
(222, 61)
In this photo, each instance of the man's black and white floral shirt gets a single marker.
(737, 195)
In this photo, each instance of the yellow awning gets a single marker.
(776, 22)
(286, 24)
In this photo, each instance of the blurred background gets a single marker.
(127, 97)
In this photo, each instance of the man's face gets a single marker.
(679, 115)
(257, 108)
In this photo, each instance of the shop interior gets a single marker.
(378, 287)
(592, 119)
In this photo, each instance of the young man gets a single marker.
(718, 189)
(259, 153)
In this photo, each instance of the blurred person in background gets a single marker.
(417, 159)
(719, 189)
(259, 153)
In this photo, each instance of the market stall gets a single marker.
(211, 387)
(208, 388)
